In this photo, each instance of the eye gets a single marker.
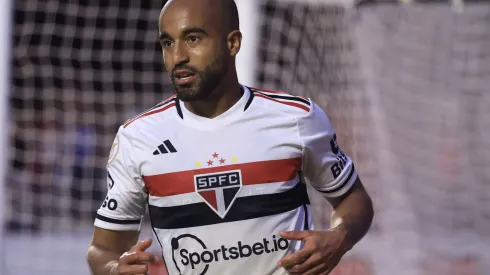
(166, 43)
(193, 38)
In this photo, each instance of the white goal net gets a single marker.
(406, 86)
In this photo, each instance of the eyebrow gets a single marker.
(185, 32)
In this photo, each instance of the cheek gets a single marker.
(166, 61)
(205, 54)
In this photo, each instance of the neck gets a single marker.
(220, 100)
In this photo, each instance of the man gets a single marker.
(223, 168)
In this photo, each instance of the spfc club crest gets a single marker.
(219, 190)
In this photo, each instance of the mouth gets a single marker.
(183, 77)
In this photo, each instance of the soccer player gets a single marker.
(223, 168)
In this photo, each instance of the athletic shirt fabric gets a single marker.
(220, 190)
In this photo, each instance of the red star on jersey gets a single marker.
(215, 155)
(222, 161)
(210, 163)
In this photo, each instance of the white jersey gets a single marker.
(220, 190)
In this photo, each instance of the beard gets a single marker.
(206, 81)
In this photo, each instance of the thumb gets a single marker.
(295, 235)
(142, 245)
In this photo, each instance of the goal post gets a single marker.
(247, 58)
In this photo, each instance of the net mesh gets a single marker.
(405, 86)
(407, 89)
(79, 71)
(428, 71)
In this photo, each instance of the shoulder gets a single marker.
(283, 102)
(162, 109)
(307, 113)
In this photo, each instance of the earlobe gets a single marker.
(234, 42)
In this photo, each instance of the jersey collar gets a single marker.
(224, 119)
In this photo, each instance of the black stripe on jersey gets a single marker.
(285, 97)
(244, 208)
(111, 220)
(343, 184)
(163, 103)
(249, 100)
(179, 110)
(306, 225)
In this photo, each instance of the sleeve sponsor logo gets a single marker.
(339, 165)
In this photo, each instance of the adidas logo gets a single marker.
(165, 148)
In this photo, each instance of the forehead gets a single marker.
(179, 16)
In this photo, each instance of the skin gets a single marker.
(322, 251)
(203, 41)
(209, 54)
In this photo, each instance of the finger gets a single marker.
(298, 257)
(311, 263)
(138, 257)
(295, 235)
(142, 245)
(139, 269)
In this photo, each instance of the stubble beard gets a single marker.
(207, 81)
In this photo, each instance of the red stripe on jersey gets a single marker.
(284, 102)
(150, 113)
(259, 172)
(269, 91)
(168, 99)
(279, 93)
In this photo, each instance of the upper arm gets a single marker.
(325, 166)
(124, 205)
(115, 241)
(357, 190)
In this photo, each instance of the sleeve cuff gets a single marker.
(117, 224)
(342, 186)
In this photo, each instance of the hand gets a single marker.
(322, 251)
(136, 260)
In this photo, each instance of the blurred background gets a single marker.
(406, 84)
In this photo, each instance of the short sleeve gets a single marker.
(324, 166)
(124, 206)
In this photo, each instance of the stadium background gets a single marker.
(407, 87)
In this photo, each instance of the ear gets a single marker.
(234, 42)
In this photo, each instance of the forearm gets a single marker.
(353, 216)
(102, 261)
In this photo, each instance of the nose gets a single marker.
(180, 54)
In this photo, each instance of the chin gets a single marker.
(188, 94)
(195, 91)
